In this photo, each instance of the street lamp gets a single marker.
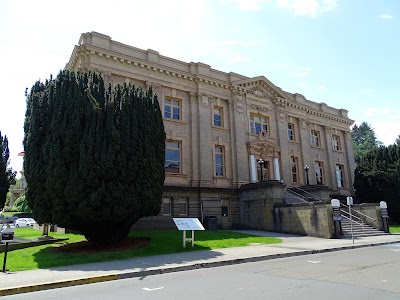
(306, 168)
(261, 164)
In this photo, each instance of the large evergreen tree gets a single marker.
(377, 178)
(94, 157)
(7, 175)
(364, 139)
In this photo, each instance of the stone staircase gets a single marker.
(358, 229)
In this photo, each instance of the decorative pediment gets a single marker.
(263, 149)
(261, 87)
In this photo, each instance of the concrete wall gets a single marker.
(313, 219)
(262, 208)
(372, 210)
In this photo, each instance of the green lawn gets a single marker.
(394, 228)
(162, 242)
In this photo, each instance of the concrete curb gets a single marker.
(103, 278)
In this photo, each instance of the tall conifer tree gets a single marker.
(7, 175)
(97, 164)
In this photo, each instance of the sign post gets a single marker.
(337, 217)
(350, 203)
(188, 224)
(385, 216)
(7, 235)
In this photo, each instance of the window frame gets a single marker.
(171, 106)
(222, 164)
(266, 170)
(339, 170)
(336, 145)
(253, 123)
(294, 162)
(315, 138)
(291, 132)
(179, 149)
(169, 213)
(319, 165)
(221, 116)
(185, 202)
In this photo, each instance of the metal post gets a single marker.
(184, 239)
(261, 164)
(350, 203)
(192, 238)
(306, 168)
(5, 258)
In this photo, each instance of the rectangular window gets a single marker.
(294, 167)
(339, 175)
(167, 206)
(217, 116)
(318, 167)
(183, 207)
(336, 142)
(172, 157)
(224, 211)
(265, 171)
(219, 161)
(315, 138)
(290, 132)
(172, 109)
(258, 124)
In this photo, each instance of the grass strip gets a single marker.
(394, 228)
(162, 242)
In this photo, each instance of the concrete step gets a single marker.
(359, 230)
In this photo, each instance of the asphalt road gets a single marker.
(365, 273)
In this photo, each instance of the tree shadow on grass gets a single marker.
(141, 254)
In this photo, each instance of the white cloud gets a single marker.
(308, 7)
(386, 131)
(375, 111)
(386, 16)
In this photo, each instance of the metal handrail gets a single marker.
(353, 216)
(301, 197)
(358, 212)
(362, 223)
(306, 192)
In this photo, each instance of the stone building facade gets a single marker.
(219, 125)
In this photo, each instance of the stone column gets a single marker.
(206, 161)
(330, 160)
(277, 175)
(282, 139)
(305, 143)
(239, 130)
(253, 170)
(194, 140)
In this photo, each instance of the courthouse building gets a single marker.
(220, 125)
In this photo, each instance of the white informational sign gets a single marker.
(188, 224)
(349, 200)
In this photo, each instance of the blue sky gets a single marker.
(340, 52)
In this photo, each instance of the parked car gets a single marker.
(24, 222)
(10, 220)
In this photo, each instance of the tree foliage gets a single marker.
(377, 177)
(21, 205)
(94, 157)
(7, 175)
(397, 141)
(364, 139)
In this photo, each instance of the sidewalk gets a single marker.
(292, 245)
